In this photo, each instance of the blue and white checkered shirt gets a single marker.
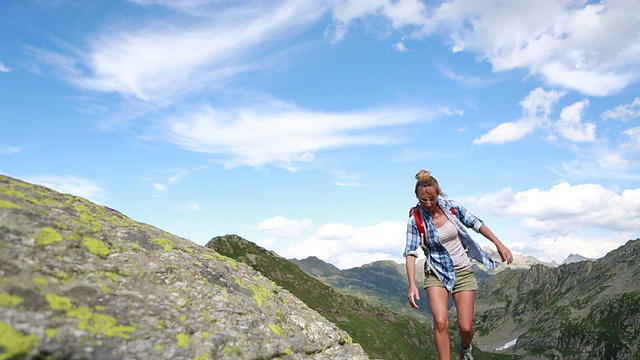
(438, 258)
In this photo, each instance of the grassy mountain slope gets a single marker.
(381, 283)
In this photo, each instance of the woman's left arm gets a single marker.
(505, 253)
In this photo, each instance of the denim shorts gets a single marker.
(465, 280)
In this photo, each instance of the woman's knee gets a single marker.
(441, 323)
(466, 329)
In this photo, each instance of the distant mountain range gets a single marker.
(385, 282)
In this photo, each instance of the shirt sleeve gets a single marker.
(413, 238)
(466, 217)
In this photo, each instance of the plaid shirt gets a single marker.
(438, 258)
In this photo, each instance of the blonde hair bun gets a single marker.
(423, 175)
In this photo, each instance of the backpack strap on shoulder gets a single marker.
(415, 212)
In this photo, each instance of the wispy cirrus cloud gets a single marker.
(624, 112)
(283, 134)
(4, 68)
(8, 150)
(159, 60)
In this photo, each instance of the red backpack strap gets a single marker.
(415, 212)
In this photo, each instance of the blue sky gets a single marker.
(299, 125)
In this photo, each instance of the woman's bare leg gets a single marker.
(439, 301)
(464, 301)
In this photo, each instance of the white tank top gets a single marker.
(451, 241)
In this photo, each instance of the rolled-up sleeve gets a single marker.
(467, 218)
(413, 239)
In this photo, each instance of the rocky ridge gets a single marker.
(82, 281)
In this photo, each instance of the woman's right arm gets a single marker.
(413, 294)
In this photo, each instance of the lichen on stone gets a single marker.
(8, 300)
(112, 275)
(63, 276)
(183, 340)
(4, 204)
(59, 302)
(233, 350)
(89, 321)
(99, 323)
(276, 329)
(16, 345)
(165, 243)
(51, 333)
(95, 246)
(48, 236)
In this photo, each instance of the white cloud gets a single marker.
(570, 124)
(608, 165)
(176, 175)
(624, 112)
(346, 246)
(189, 6)
(282, 227)
(507, 132)
(467, 81)
(281, 134)
(401, 47)
(4, 68)
(593, 48)
(8, 150)
(160, 60)
(566, 206)
(400, 13)
(558, 248)
(73, 185)
(589, 47)
(634, 135)
(536, 109)
(614, 160)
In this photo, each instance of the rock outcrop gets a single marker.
(82, 281)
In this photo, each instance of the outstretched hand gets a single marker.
(505, 254)
(413, 296)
